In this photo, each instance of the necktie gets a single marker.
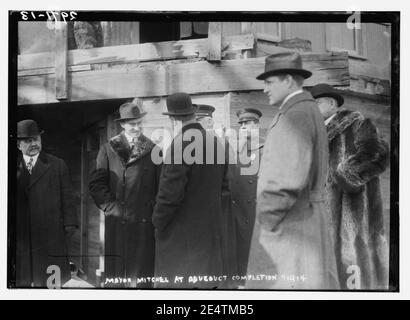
(30, 165)
(133, 144)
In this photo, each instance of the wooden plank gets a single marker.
(161, 79)
(137, 52)
(33, 72)
(372, 70)
(215, 41)
(61, 60)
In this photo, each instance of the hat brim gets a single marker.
(304, 73)
(340, 100)
(178, 114)
(131, 118)
(31, 136)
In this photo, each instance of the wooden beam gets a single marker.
(249, 28)
(61, 38)
(215, 41)
(167, 50)
(164, 78)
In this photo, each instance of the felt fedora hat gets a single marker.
(203, 110)
(325, 90)
(284, 63)
(248, 114)
(27, 129)
(179, 104)
(131, 110)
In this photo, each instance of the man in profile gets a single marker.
(291, 236)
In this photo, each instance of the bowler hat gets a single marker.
(325, 90)
(248, 114)
(179, 104)
(284, 63)
(203, 110)
(131, 110)
(27, 129)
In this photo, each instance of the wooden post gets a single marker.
(61, 39)
(246, 28)
(215, 41)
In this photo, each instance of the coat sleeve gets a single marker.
(174, 178)
(285, 167)
(99, 183)
(67, 197)
(369, 161)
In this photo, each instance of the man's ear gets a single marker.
(18, 145)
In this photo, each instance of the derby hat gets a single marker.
(284, 63)
(179, 104)
(203, 110)
(131, 110)
(325, 90)
(248, 114)
(27, 129)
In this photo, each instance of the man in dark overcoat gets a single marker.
(188, 211)
(291, 242)
(204, 116)
(243, 178)
(357, 157)
(124, 186)
(46, 216)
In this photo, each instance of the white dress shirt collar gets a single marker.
(129, 139)
(27, 159)
(327, 121)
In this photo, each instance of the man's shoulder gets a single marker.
(51, 159)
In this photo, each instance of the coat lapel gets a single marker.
(39, 169)
(291, 102)
(122, 148)
(341, 121)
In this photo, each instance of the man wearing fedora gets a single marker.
(291, 239)
(46, 216)
(243, 181)
(188, 214)
(357, 157)
(124, 186)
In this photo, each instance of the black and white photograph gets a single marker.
(226, 151)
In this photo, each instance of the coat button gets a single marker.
(250, 181)
(144, 220)
(249, 201)
(233, 202)
(247, 221)
(122, 222)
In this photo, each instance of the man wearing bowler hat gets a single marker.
(124, 186)
(46, 215)
(357, 157)
(188, 215)
(291, 236)
(243, 180)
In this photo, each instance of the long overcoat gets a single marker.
(291, 246)
(243, 178)
(45, 205)
(124, 186)
(188, 214)
(358, 156)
